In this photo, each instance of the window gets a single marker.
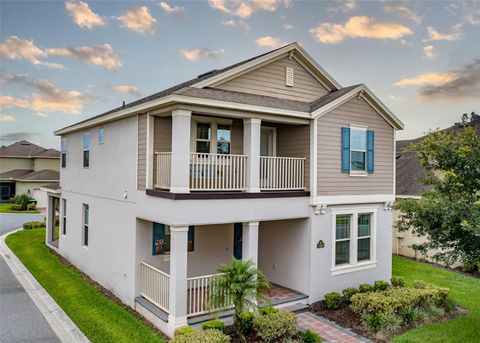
(223, 139)
(85, 224)
(162, 238)
(354, 239)
(64, 152)
(86, 149)
(203, 138)
(101, 135)
(358, 149)
(64, 216)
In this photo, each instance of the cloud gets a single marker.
(177, 11)
(14, 48)
(364, 27)
(41, 115)
(4, 117)
(268, 5)
(430, 79)
(18, 136)
(103, 55)
(429, 52)
(83, 16)
(404, 12)
(10, 101)
(48, 97)
(126, 89)
(435, 35)
(342, 6)
(287, 27)
(396, 98)
(245, 8)
(269, 41)
(195, 54)
(242, 25)
(139, 20)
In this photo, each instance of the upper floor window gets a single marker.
(203, 138)
(86, 149)
(64, 152)
(223, 139)
(358, 149)
(86, 224)
(101, 135)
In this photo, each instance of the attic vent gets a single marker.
(289, 76)
(207, 73)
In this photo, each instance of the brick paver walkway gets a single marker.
(328, 330)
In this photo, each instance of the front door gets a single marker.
(237, 240)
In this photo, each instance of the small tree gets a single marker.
(448, 212)
(240, 284)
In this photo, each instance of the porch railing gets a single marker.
(155, 286)
(282, 173)
(163, 160)
(200, 290)
(215, 172)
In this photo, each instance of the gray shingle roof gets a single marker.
(27, 149)
(324, 100)
(30, 175)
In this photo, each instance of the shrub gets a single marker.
(207, 336)
(310, 337)
(380, 285)
(390, 322)
(372, 321)
(31, 207)
(22, 200)
(348, 293)
(183, 331)
(214, 325)
(420, 284)
(332, 300)
(16, 207)
(246, 322)
(33, 225)
(273, 326)
(397, 281)
(365, 288)
(413, 315)
(433, 311)
(267, 310)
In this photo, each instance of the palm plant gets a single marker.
(240, 284)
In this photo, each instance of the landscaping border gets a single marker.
(61, 324)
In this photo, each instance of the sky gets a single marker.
(65, 61)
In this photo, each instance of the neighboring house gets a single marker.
(409, 172)
(269, 159)
(25, 167)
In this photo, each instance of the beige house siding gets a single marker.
(162, 139)
(46, 163)
(236, 146)
(142, 152)
(331, 181)
(269, 80)
(9, 163)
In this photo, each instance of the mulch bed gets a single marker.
(346, 318)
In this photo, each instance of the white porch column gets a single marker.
(178, 276)
(250, 242)
(180, 166)
(251, 148)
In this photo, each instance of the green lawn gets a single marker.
(5, 208)
(99, 318)
(464, 290)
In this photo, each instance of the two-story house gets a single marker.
(269, 159)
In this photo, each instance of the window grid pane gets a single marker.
(364, 225)
(342, 252)
(101, 135)
(363, 249)
(203, 131)
(358, 139)
(203, 147)
(357, 160)
(343, 226)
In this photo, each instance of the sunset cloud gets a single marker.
(10, 101)
(403, 12)
(126, 89)
(244, 8)
(242, 25)
(103, 55)
(429, 52)
(83, 16)
(429, 79)
(195, 54)
(269, 41)
(342, 6)
(5, 118)
(435, 35)
(359, 27)
(176, 11)
(139, 20)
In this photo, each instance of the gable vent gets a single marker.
(289, 76)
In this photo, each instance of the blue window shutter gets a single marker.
(345, 149)
(370, 151)
(191, 238)
(158, 239)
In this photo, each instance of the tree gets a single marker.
(448, 212)
(240, 284)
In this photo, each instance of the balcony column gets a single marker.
(178, 276)
(180, 165)
(251, 148)
(250, 242)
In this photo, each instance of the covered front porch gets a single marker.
(178, 274)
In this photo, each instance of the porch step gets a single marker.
(296, 308)
(152, 308)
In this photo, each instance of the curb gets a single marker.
(58, 320)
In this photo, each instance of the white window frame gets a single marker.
(354, 264)
(85, 224)
(362, 129)
(214, 122)
(88, 149)
(64, 217)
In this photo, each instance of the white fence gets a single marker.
(213, 172)
(282, 173)
(199, 291)
(155, 286)
(164, 160)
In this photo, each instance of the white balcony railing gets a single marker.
(163, 160)
(200, 290)
(155, 286)
(282, 173)
(214, 172)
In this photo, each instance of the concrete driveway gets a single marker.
(20, 319)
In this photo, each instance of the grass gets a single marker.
(99, 318)
(6, 208)
(464, 290)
